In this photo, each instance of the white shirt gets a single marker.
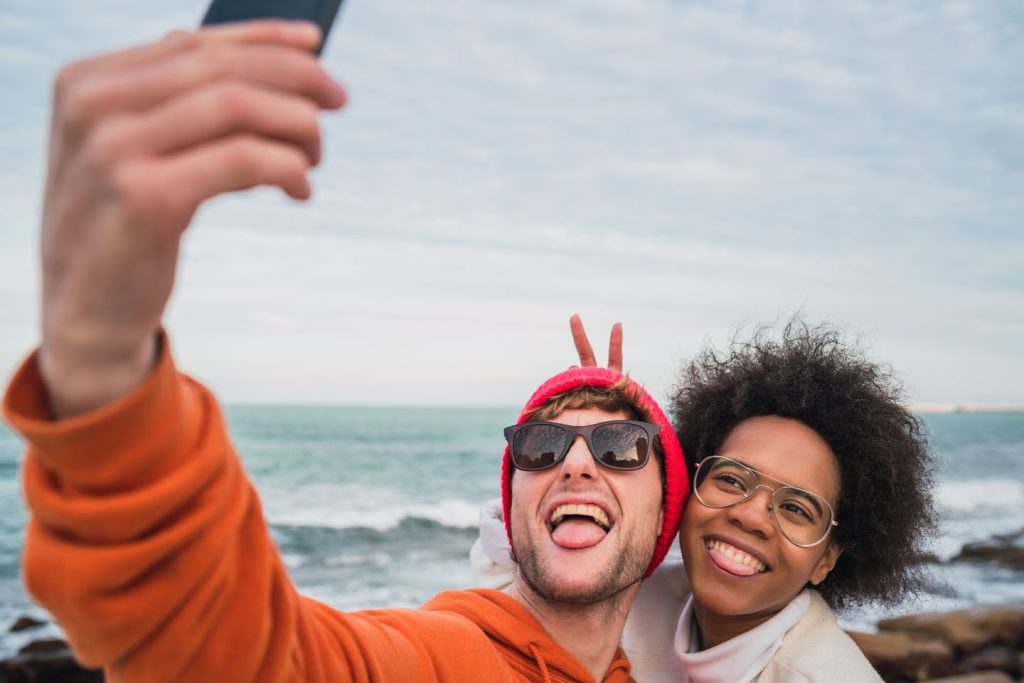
(739, 659)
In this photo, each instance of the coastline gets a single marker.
(398, 506)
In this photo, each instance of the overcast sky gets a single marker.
(686, 168)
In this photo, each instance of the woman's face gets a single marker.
(720, 545)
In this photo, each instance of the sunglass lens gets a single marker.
(538, 446)
(620, 446)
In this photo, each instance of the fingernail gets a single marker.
(336, 93)
(304, 31)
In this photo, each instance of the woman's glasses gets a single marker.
(616, 444)
(803, 517)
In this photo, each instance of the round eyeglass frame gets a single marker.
(758, 476)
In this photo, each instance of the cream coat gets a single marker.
(815, 650)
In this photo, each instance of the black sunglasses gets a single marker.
(616, 444)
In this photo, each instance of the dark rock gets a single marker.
(967, 630)
(24, 623)
(906, 656)
(995, 658)
(42, 647)
(46, 661)
(1005, 549)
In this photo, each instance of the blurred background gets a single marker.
(687, 168)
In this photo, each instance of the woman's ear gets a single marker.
(826, 563)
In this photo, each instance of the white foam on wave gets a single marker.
(459, 514)
(292, 560)
(981, 494)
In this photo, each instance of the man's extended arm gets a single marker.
(148, 544)
(146, 541)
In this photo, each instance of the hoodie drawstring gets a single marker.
(541, 664)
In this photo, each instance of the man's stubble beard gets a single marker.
(627, 569)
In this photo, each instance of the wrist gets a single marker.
(81, 375)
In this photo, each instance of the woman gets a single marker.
(811, 486)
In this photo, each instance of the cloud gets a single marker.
(680, 166)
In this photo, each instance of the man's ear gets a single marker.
(826, 563)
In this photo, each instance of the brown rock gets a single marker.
(981, 677)
(1005, 549)
(995, 658)
(906, 656)
(966, 630)
(24, 623)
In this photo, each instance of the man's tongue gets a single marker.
(577, 533)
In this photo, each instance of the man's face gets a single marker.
(583, 558)
(720, 545)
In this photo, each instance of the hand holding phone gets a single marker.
(182, 120)
(320, 12)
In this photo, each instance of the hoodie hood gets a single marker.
(512, 629)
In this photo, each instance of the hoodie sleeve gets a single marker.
(147, 543)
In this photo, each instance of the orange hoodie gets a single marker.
(147, 543)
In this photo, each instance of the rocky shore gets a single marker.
(976, 645)
(46, 660)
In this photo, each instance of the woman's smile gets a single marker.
(742, 568)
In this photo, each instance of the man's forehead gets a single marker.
(580, 417)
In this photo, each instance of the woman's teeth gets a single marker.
(736, 555)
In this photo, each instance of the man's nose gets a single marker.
(755, 513)
(578, 462)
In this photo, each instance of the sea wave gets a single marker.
(980, 494)
(453, 513)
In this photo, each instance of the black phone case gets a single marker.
(321, 12)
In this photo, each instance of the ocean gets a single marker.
(374, 507)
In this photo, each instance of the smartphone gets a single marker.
(321, 12)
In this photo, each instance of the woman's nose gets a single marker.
(755, 513)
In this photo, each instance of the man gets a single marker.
(146, 540)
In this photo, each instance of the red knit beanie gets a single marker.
(677, 481)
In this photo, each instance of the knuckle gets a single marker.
(291, 165)
(214, 61)
(132, 185)
(307, 120)
(242, 151)
(233, 101)
(74, 103)
(101, 147)
(308, 75)
(296, 163)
